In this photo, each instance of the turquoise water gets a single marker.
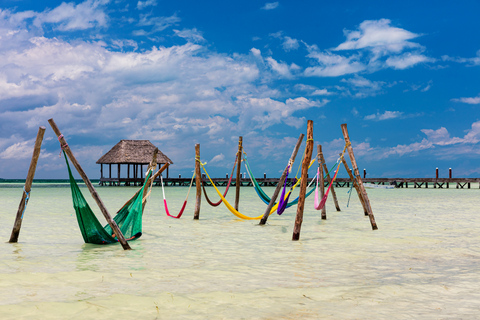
(422, 262)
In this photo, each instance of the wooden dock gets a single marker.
(436, 183)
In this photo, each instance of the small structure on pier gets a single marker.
(134, 154)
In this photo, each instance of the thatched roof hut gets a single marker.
(135, 153)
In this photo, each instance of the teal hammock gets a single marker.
(261, 194)
(128, 218)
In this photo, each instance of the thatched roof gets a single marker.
(133, 151)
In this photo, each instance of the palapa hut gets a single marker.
(134, 154)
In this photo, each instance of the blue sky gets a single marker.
(403, 75)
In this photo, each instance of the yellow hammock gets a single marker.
(232, 209)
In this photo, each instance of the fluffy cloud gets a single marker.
(363, 87)
(177, 93)
(270, 6)
(439, 138)
(376, 34)
(332, 65)
(474, 100)
(192, 35)
(384, 116)
(144, 4)
(375, 45)
(406, 60)
(69, 16)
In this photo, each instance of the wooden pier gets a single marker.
(440, 183)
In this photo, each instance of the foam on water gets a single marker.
(422, 262)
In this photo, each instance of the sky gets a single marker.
(404, 76)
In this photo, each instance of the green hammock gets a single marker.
(128, 218)
(261, 194)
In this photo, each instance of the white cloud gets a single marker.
(384, 116)
(218, 158)
(469, 100)
(378, 33)
(282, 68)
(270, 6)
(192, 35)
(406, 60)
(68, 16)
(157, 24)
(332, 65)
(290, 44)
(144, 4)
(364, 87)
(411, 148)
(475, 61)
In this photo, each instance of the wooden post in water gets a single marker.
(239, 168)
(303, 184)
(321, 182)
(281, 181)
(28, 185)
(332, 189)
(90, 187)
(355, 185)
(152, 166)
(357, 174)
(198, 182)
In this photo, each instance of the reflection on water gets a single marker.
(422, 263)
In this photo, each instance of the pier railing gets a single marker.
(441, 183)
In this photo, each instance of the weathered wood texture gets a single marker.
(239, 175)
(281, 181)
(355, 185)
(198, 183)
(303, 183)
(28, 186)
(321, 179)
(357, 175)
(90, 187)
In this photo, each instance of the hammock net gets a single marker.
(128, 218)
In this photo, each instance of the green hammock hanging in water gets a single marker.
(128, 218)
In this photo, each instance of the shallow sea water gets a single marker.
(422, 263)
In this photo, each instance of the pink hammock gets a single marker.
(184, 203)
(319, 206)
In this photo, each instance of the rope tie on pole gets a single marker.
(201, 163)
(62, 146)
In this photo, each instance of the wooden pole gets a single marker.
(281, 181)
(320, 161)
(239, 168)
(303, 184)
(357, 174)
(332, 189)
(28, 185)
(198, 182)
(93, 192)
(355, 185)
(152, 166)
